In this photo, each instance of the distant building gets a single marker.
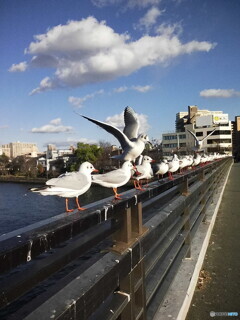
(54, 153)
(200, 122)
(14, 149)
(236, 138)
(174, 142)
(181, 120)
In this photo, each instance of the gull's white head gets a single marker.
(127, 165)
(147, 159)
(144, 138)
(87, 168)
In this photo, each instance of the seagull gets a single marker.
(199, 143)
(173, 166)
(145, 171)
(132, 144)
(196, 160)
(69, 185)
(162, 168)
(183, 163)
(115, 178)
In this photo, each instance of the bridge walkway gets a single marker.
(219, 291)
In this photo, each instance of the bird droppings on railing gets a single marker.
(29, 258)
(105, 212)
(136, 199)
(44, 240)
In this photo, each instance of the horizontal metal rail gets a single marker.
(113, 261)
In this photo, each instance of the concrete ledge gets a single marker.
(177, 301)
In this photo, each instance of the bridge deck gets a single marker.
(220, 290)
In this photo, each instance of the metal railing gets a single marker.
(114, 261)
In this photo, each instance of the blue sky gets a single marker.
(98, 56)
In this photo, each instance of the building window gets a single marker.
(199, 134)
(182, 136)
(218, 132)
(218, 141)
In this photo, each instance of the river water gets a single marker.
(20, 207)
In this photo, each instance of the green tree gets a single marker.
(4, 164)
(86, 152)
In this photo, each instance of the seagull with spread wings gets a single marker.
(199, 143)
(132, 144)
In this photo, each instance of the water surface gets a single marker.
(20, 207)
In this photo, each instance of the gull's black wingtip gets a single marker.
(79, 114)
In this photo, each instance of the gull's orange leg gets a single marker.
(67, 210)
(170, 176)
(78, 205)
(117, 196)
(136, 184)
(139, 186)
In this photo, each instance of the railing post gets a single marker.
(185, 189)
(201, 175)
(131, 228)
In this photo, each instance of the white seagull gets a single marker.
(162, 168)
(69, 185)
(173, 166)
(115, 178)
(196, 160)
(145, 171)
(132, 144)
(199, 143)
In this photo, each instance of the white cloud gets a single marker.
(56, 121)
(219, 93)
(78, 102)
(120, 89)
(3, 126)
(126, 3)
(118, 121)
(55, 126)
(45, 84)
(142, 89)
(20, 67)
(150, 18)
(89, 51)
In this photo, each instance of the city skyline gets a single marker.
(97, 57)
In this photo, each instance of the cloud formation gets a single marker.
(89, 51)
(55, 126)
(118, 121)
(126, 3)
(150, 18)
(219, 93)
(142, 89)
(78, 102)
(20, 67)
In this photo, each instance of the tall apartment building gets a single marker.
(14, 149)
(201, 122)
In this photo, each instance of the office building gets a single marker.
(14, 149)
